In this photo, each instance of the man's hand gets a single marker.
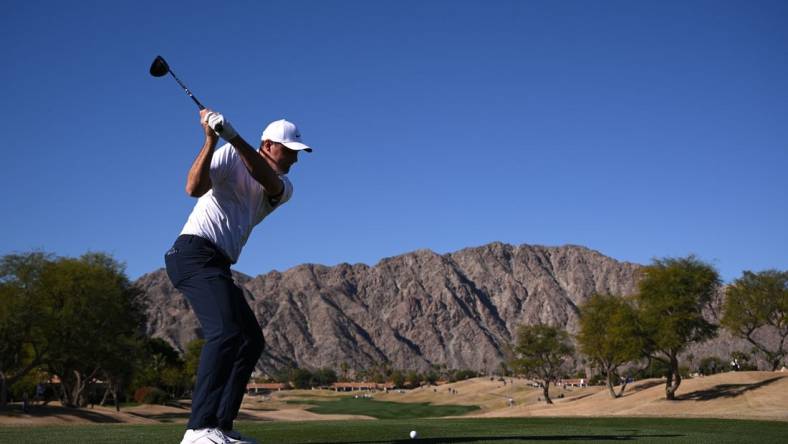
(210, 134)
(216, 120)
(199, 181)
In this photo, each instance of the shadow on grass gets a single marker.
(162, 417)
(471, 439)
(259, 409)
(641, 387)
(40, 411)
(725, 390)
(174, 416)
(578, 397)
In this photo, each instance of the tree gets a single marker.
(23, 317)
(503, 369)
(671, 298)
(740, 361)
(398, 378)
(89, 297)
(283, 375)
(301, 378)
(324, 377)
(344, 367)
(711, 365)
(609, 336)
(414, 378)
(541, 352)
(191, 358)
(72, 317)
(161, 366)
(118, 366)
(431, 377)
(757, 303)
(463, 374)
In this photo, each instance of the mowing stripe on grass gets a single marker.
(433, 431)
(384, 409)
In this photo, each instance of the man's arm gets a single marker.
(257, 166)
(198, 181)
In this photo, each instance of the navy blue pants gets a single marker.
(233, 338)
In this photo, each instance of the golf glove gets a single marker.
(221, 126)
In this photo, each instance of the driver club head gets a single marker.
(159, 67)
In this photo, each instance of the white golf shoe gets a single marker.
(235, 437)
(204, 436)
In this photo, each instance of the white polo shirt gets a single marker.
(236, 202)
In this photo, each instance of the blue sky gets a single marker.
(640, 129)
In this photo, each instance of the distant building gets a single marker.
(582, 382)
(258, 388)
(352, 386)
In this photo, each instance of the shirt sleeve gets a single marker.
(287, 192)
(221, 163)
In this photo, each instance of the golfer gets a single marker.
(237, 187)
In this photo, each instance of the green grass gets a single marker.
(434, 431)
(384, 409)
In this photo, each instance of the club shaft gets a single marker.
(186, 89)
(218, 127)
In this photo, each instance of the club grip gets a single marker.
(219, 128)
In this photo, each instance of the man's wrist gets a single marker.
(222, 127)
(228, 132)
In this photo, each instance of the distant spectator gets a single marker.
(39, 395)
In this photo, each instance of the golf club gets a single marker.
(159, 68)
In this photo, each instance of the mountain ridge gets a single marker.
(460, 309)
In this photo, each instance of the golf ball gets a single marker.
(413, 434)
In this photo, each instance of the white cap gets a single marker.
(285, 133)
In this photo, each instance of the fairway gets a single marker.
(434, 431)
(384, 409)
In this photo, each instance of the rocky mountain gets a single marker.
(460, 309)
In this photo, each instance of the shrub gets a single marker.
(25, 385)
(150, 395)
(461, 375)
(431, 377)
(301, 378)
(324, 377)
(712, 365)
(598, 379)
(656, 369)
(141, 393)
